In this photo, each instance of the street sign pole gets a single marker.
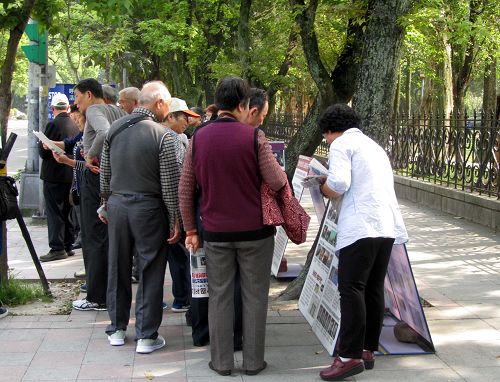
(31, 196)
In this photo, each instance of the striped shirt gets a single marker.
(98, 120)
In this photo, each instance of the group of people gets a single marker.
(147, 195)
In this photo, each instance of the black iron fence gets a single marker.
(461, 152)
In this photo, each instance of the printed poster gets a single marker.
(199, 279)
(320, 300)
(317, 169)
(281, 239)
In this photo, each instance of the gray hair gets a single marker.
(131, 93)
(110, 93)
(152, 92)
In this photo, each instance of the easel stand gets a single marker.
(4, 154)
(31, 248)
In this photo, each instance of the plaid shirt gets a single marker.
(170, 158)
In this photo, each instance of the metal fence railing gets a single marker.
(457, 151)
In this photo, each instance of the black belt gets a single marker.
(156, 196)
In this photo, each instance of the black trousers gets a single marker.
(58, 209)
(139, 224)
(94, 238)
(362, 270)
(199, 317)
(178, 263)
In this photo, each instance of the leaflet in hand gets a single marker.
(48, 143)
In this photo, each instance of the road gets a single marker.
(19, 153)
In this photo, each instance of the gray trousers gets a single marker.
(254, 261)
(136, 223)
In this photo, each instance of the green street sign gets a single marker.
(32, 32)
(36, 52)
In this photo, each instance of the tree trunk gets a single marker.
(337, 87)
(282, 72)
(376, 82)
(462, 67)
(305, 140)
(490, 88)
(244, 38)
(407, 109)
(447, 76)
(22, 15)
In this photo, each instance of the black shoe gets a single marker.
(70, 252)
(54, 255)
(76, 245)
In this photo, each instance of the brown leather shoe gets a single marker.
(256, 371)
(220, 372)
(368, 359)
(340, 370)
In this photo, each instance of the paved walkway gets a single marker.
(456, 265)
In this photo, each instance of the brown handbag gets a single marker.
(281, 208)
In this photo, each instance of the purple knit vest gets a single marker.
(226, 170)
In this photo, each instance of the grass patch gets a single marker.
(17, 292)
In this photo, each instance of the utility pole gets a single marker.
(31, 196)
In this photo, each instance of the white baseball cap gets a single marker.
(59, 99)
(178, 104)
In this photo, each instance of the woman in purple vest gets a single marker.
(226, 161)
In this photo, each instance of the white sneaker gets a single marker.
(147, 345)
(87, 305)
(117, 338)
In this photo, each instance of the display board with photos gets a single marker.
(281, 239)
(319, 301)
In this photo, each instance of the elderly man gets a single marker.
(140, 172)
(128, 98)
(177, 121)
(57, 180)
(99, 116)
(109, 94)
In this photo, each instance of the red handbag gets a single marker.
(281, 208)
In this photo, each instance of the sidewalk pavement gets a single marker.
(456, 265)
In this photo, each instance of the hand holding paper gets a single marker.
(47, 142)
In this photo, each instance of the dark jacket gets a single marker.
(57, 130)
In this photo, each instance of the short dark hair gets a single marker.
(258, 98)
(198, 110)
(338, 117)
(90, 85)
(211, 109)
(231, 92)
(73, 108)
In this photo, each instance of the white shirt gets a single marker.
(360, 170)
